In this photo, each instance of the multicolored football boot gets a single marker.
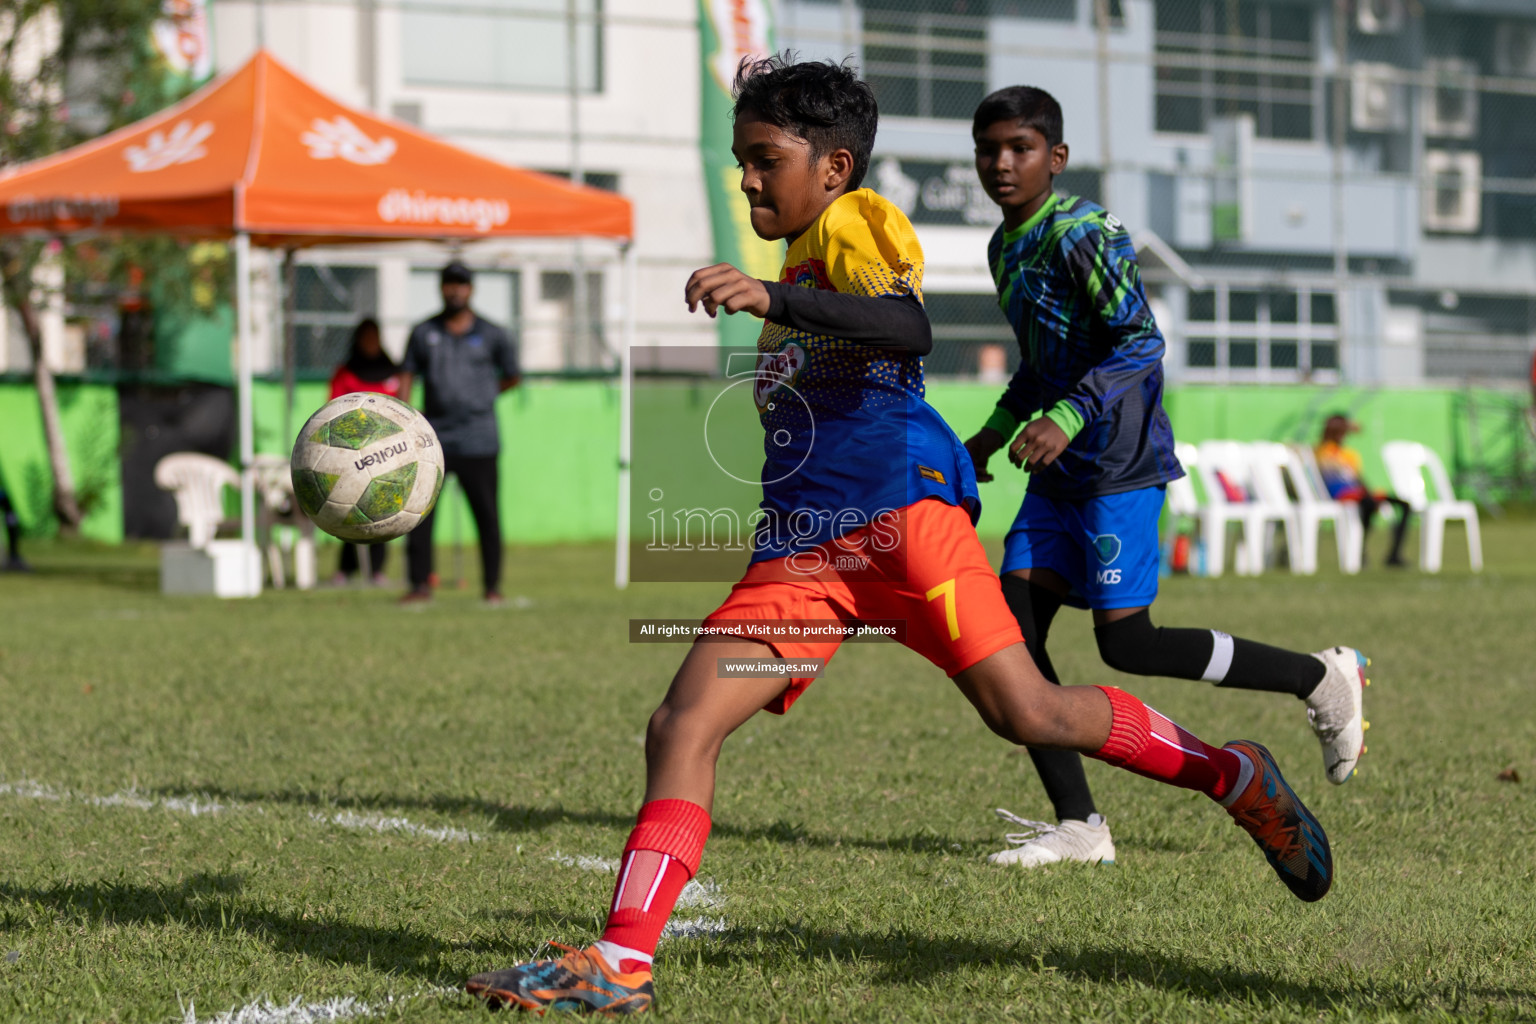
(581, 981)
(1292, 840)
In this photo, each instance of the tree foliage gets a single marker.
(71, 70)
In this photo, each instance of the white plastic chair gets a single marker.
(1408, 462)
(197, 482)
(1229, 459)
(1183, 502)
(1314, 507)
(1267, 466)
(1182, 499)
(279, 508)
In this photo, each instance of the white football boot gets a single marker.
(1044, 843)
(1336, 710)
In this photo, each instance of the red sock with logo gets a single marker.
(1143, 741)
(662, 854)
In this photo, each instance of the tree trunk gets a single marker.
(65, 507)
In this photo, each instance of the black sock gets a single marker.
(1136, 646)
(1061, 771)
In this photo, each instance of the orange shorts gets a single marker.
(921, 569)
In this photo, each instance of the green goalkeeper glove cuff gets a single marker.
(1065, 415)
(1004, 422)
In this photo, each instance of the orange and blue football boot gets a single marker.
(1292, 840)
(580, 981)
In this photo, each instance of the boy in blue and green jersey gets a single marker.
(1099, 450)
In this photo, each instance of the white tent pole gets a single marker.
(626, 402)
(247, 418)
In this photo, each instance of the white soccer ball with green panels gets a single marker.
(367, 467)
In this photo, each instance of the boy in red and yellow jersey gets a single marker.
(868, 506)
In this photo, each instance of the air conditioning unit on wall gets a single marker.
(1453, 191)
(1377, 101)
(1379, 17)
(1450, 100)
(1514, 49)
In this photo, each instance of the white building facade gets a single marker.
(1323, 190)
(496, 77)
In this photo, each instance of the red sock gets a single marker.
(662, 854)
(1145, 742)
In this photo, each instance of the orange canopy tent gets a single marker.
(262, 156)
(264, 153)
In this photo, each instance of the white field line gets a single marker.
(27, 789)
(607, 864)
(699, 893)
(264, 1011)
(695, 927)
(384, 823)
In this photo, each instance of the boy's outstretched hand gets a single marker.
(982, 445)
(1038, 444)
(722, 286)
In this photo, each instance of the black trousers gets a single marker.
(478, 476)
(1370, 505)
(12, 527)
(350, 563)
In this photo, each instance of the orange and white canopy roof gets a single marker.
(262, 151)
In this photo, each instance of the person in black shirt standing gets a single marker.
(464, 362)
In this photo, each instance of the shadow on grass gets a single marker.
(212, 903)
(111, 574)
(521, 818)
(912, 959)
(918, 960)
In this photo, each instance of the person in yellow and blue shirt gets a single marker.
(1085, 419)
(853, 450)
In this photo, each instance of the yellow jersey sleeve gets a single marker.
(871, 248)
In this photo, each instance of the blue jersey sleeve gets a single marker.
(1015, 401)
(1103, 266)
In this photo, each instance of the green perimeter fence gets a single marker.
(560, 444)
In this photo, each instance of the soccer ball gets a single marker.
(367, 467)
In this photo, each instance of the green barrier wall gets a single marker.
(88, 414)
(560, 444)
(559, 459)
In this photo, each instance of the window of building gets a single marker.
(328, 303)
(1040, 10)
(510, 44)
(606, 180)
(1234, 333)
(1114, 13)
(584, 345)
(968, 329)
(926, 58)
(1219, 58)
(495, 296)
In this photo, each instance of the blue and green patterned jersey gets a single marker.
(1091, 353)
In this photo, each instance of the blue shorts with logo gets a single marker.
(1106, 547)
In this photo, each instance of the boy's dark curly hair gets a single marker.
(824, 103)
(1036, 108)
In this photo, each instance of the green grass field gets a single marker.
(319, 800)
